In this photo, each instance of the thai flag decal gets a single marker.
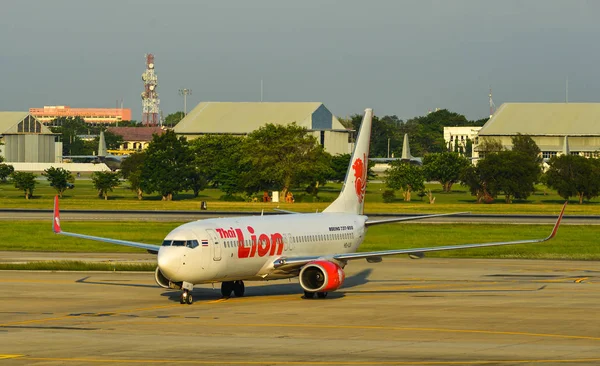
(204, 242)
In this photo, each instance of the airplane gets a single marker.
(113, 162)
(315, 247)
(405, 157)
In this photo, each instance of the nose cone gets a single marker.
(169, 261)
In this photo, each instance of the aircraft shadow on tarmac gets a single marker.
(268, 289)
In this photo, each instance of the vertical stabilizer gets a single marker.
(352, 197)
(566, 150)
(101, 145)
(406, 149)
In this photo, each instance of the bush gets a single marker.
(388, 196)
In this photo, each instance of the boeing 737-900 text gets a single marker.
(312, 246)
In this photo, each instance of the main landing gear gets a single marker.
(237, 287)
(311, 295)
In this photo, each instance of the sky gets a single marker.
(401, 58)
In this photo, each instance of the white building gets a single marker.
(458, 136)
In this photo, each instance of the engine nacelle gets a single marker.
(321, 276)
(164, 282)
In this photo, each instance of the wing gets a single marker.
(398, 219)
(57, 229)
(285, 211)
(290, 264)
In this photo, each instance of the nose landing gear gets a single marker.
(186, 295)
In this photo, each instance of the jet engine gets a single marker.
(321, 276)
(164, 282)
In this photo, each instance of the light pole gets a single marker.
(185, 93)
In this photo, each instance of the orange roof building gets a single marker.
(89, 115)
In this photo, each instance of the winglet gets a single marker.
(56, 220)
(557, 222)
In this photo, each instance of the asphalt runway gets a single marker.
(399, 312)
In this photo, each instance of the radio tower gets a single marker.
(150, 101)
(492, 105)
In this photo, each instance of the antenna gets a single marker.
(567, 91)
(261, 90)
(150, 101)
(492, 105)
(185, 93)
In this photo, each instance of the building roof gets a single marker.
(548, 119)
(136, 133)
(9, 122)
(245, 117)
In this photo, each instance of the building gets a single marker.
(555, 127)
(209, 118)
(27, 140)
(94, 116)
(135, 138)
(456, 137)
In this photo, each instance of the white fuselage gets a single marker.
(244, 248)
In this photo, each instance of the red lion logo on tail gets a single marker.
(360, 173)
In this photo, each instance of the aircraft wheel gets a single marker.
(239, 288)
(321, 295)
(309, 295)
(189, 299)
(226, 288)
(183, 297)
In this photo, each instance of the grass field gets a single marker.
(83, 196)
(572, 242)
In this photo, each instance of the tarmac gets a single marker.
(399, 312)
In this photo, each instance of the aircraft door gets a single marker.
(216, 244)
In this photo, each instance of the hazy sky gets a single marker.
(398, 57)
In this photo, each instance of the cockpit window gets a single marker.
(181, 243)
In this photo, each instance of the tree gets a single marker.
(509, 172)
(5, 171)
(526, 145)
(574, 176)
(70, 129)
(59, 178)
(444, 167)
(489, 145)
(25, 181)
(283, 156)
(131, 169)
(339, 167)
(174, 118)
(382, 130)
(468, 148)
(167, 165)
(105, 182)
(471, 177)
(218, 159)
(405, 176)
